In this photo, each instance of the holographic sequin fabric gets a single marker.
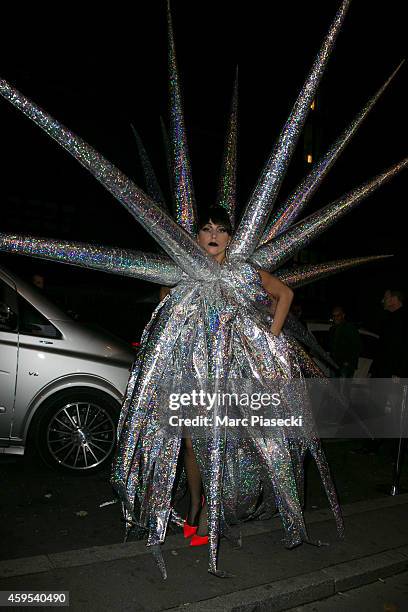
(144, 266)
(213, 327)
(256, 214)
(152, 183)
(226, 196)
(273, 254)
(216, 332)
(290, 210)
(183, 190)
(181, 247)
(297, 276)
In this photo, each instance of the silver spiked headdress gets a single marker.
(254, 241)
(267, 245)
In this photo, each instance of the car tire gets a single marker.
(76, 430)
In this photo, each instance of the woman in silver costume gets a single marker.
(214, 236)
(215, 325)
(203, 335)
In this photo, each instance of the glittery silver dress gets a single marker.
(212, 331)
(213, 327)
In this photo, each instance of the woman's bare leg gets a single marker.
(194, 482)
(197, 515)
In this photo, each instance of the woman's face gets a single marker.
(214, 239)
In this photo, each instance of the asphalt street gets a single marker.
(44, 511)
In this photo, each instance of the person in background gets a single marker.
(391, 360)
(38, 281)
(344, 343)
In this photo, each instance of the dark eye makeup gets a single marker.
(220, 229)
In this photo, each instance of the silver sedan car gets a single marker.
(61, 383)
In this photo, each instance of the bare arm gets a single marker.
(282, 296)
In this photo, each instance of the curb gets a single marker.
(307, 588)
(86, 556)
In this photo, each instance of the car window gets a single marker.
(8, 315)
(33, 323)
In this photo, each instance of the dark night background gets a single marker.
(100, 73)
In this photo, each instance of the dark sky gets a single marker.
(99, 73)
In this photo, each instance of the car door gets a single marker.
(8, 355)
(39, 360)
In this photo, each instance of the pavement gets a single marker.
(383, 595)
(44, 511)
(266, 576)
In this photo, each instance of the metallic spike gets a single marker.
(308, 365)
(298, 276)
(227, 187)
(280, 249)
(186, 213)
(260, 204)
(135, 264)
(152, 184)
(158, 557)
(181, 247)
(295, 328)
(167, 152)
(290, 210)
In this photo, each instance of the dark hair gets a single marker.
(397, 293)
(216, 214)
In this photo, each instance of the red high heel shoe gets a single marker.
(189, 530)
(198, 540)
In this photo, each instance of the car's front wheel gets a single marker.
(76, 430)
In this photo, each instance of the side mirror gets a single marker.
(8, 318)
